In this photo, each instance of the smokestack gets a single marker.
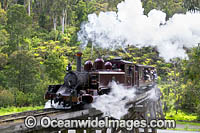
(78, 63)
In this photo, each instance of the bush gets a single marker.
(33, 98)
(181, 116)
(198, 112)
(21, 99)
(6, 98)
(39, 91)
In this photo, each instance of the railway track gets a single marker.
(51, 111)
(23, 115)
(14, 123)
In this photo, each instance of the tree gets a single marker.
(23, 71)
(18, 26)
(54, 58)
(27, 3)
(191, 80)
(192, 5)
(3, 17)
(4, 37)
(170, 7)
(59, 9)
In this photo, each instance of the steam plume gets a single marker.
(114, 104)
(129, 26)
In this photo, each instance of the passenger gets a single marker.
(155, 75)
(149, 77)
(69, 67)
(114, 66)
(146, 75)
(152, 74)
(129, 70)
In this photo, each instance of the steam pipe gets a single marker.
(78, 61)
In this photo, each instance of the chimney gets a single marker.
(78, 61)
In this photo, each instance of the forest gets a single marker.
(38, 38)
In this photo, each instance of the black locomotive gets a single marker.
(81, 86)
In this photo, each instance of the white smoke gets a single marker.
(154, 94)
(48, 104)
(129, 26)
(114, 104)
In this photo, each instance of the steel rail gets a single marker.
(22, 115)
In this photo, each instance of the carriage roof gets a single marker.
(144, 66)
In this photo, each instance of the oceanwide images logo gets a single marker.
(47, 122)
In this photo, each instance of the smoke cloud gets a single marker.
(129, 26)
(114, 104)
(48, 104)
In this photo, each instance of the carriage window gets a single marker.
(122, 67)
(128, 69)
(140, 73)
(114, 66)
(136, 68)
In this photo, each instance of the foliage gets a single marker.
(191, 76)
(4, 36)
(198, 111)
(12, 109)
(6, 98)
(3, 60)
(192, 5)
(182, 116)
(3, 17)
(22, 72)
(188, 123)
(169, 7)
(186, 129)
(18, 25)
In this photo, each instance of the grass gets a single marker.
(188, 123)
(184, 129)
(181, 116)
(11, 110)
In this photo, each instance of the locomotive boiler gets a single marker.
(84, 84)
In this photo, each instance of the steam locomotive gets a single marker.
(82, 86)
